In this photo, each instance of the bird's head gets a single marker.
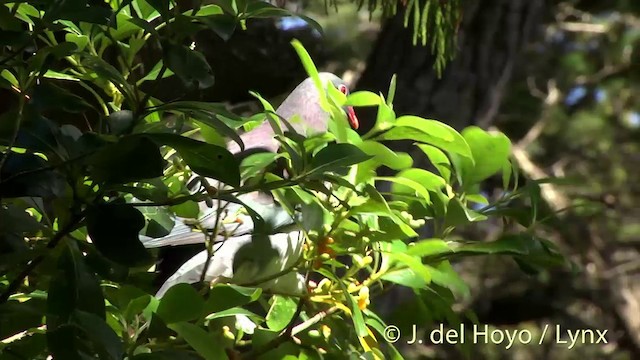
(342, 86)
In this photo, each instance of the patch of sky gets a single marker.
(634, 119)
(575, 95)
(293, 23)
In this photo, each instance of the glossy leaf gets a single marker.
(490, 153)
(439, 160)
(428, 247)
(363, 98)
(205, 159)
(130, 159)
(223, 25)
(281, 311)
(337, 156)
(114, 231)
(312, 71)
(224, 297)
(107, 343)
(429, 132)
(189, 65)
(459, 214)
(406, 277)
(181, 303)
(16, 317)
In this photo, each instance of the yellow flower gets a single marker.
(363, 298)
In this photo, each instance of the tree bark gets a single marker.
(491, 36)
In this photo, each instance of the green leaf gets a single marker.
(233, 312)
(432, 127)
(226, 296)
(109, 72)
(385, 120)
(458, 214)
(105, 341)
(281, 312)
(490, 152)
(209, 10)
(41, 184)
(214, 122)
(73, 287)
(477, 198)
(160, 221)
(16, 317)
(27, 347)
(8, 21)
(202, 342)
(412, 263)
(223, 25)
(430, 132)
(16, 220)
(8, 75)
(205, 159)
(356, 313)
(507, 172)
(405, 277)
(188, 107)
(26, 12)
(362, 98)
(337, 156)
(254, 164)
(444, 275)
(392, 90)
(509, 244)
(81, 41)
(405, 186)
(439, 160)
(47, 96)
(272, 118)
(427, 179)
(312, 71)
(167, 355)
(77, 11)
(162, 7)
(114, 231)
(155, 71)
(50, 74)
(188, 209)
(131, 159)
(382, 155)
(46, 57)
(189, 65)
(181, 303)
(136, 306)
(428, 247)
(144, 25)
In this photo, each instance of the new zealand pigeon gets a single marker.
(242, 255)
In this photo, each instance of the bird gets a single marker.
(243, 255)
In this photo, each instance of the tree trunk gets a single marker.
(491, 36)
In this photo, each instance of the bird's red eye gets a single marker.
(343, 89)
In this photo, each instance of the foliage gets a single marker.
(433, 22)
(90, 161)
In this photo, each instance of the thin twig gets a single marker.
(312, 321)
(212, 236)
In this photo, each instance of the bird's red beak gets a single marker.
(353, 119)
